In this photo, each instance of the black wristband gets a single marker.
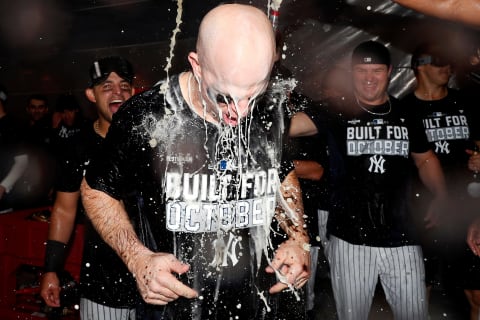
(55, 254)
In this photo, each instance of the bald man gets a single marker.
(466, 11)
(191, 176)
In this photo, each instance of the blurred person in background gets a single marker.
(13, 157)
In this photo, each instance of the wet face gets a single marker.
(37, 109)
(370, 82)
(110, 95)
(231, 103)
(232, 65)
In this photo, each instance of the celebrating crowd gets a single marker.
(214, 194)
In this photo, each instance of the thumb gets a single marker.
(471, 152)
(178, 266)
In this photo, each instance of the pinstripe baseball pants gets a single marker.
(90, 310)
(355, 270)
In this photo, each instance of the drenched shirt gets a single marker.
(204, 192)
(369, 161)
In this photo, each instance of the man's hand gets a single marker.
(291, 265)
(50, 289)
(473, 237)
(473, 160)
(156, 280)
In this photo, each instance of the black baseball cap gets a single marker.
(371, 52)
(101, 69)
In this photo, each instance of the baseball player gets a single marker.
(369, 225)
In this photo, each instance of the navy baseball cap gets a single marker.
(371, 52)
(101, 69)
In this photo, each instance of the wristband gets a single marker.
(55, 254)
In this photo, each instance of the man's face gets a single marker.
(232, 100)
(110, 95)
(370, 82)
(37, 109)
(436, 74)
(68, 117)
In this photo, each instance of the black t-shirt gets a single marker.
(451, 128)
(205, 192)
(368, 172)
(104, 277)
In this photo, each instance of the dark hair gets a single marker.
(434, 52)
(101, 69)
(371, 52)
(38, 96)
(66, 102)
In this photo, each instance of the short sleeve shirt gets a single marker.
(205, 192)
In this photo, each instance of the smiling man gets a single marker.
(107, 287)
(192, 175)
(370, 228)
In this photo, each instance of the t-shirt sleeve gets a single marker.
(106, 169)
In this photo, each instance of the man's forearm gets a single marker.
(112, 223)
(431, 174)
(290, 216)
(466, 11)
(62, 220)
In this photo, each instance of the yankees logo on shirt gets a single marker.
(377, 138)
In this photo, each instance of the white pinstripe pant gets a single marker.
(355, 270)
(90, 310)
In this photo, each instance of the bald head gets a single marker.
(234, 41)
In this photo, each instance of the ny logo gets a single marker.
(442, 147)
(225, 251)
(376, 164)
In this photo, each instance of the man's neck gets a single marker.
(430, 92)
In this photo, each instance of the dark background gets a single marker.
(47, 46)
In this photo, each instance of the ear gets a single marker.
(90, 95)
(194, 63)
(390, 68)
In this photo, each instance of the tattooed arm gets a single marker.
(154, 272)
(292, 259)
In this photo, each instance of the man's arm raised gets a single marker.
(465, 11)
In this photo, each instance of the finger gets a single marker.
(158, 299)
(180, 289)
(472, 242)
(178, 266)
(51, 297)
(470, 152)
(278, 287)
(300, 282)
